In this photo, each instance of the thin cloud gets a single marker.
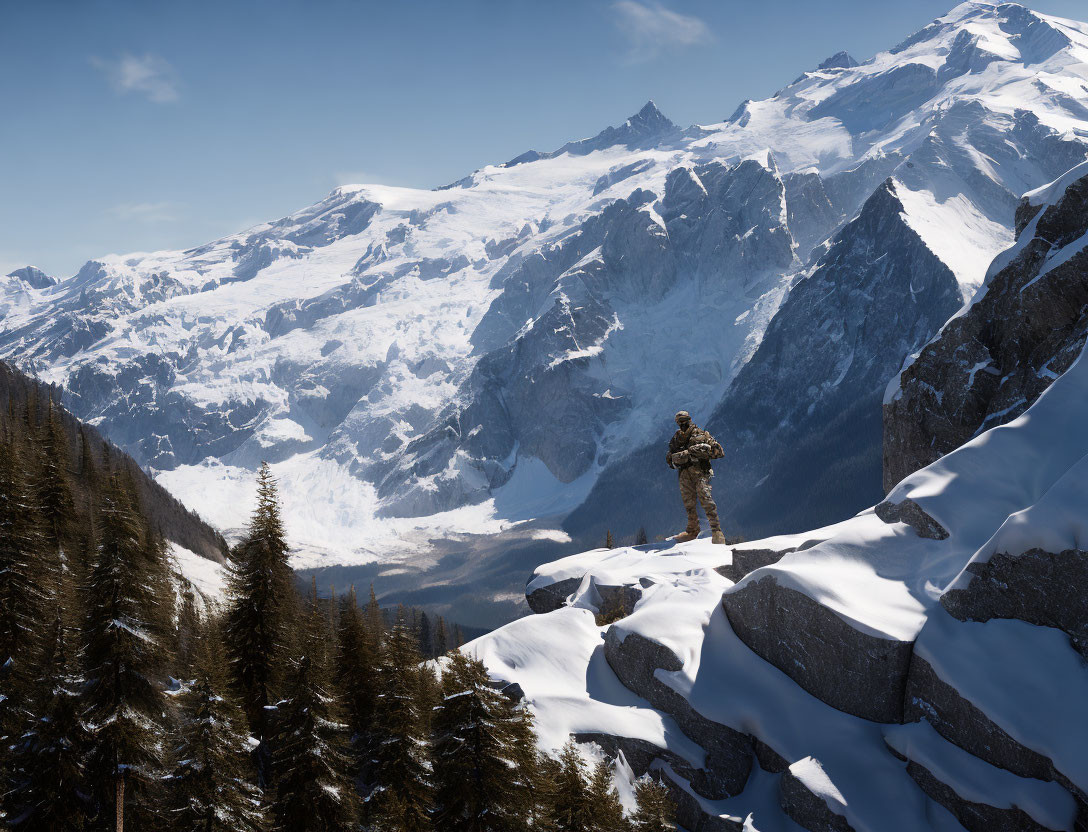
(652, 29)
(148, 75)
(146, 212)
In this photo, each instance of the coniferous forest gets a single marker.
(129, 702)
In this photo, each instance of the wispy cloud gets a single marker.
(146, 212)
(651, 29)
(148, 75)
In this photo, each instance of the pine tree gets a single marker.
(189, 634)
(441, 639)
(24, 589)
(375, 623)
(262, 609)
(656, 811)
(477, 784)
(314, 789)
(402, 792)
(52, 793)
(55, 490)
(609, 542)
(88, 469)
(571, 810)
(605, 810)
(528, 774)
(640, 538)
(212, 787)
(426, 637)
(124, 655)
(356, 681)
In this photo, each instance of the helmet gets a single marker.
(683, 416)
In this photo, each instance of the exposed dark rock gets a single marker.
(840, 60)
(800, 417)
(748, 560)
(1038, 587)
(963, 724)
(689, 814)
(634, 660)
(911, 513)
(975, 817)
(553, 596)
(852, 671)
(808, 809)
(34, 277)
(769, 759)
(991, 363)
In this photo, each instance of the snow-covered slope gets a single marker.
(920, 666)
(423, 365)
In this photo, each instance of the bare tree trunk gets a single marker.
(121, 803)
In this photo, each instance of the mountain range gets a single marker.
(454, 384)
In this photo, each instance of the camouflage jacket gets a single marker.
(693, 446)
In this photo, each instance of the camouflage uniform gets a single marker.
(690, 451)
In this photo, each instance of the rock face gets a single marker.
(854, 672)
(825, 351)
(33, 277)
(992, 362)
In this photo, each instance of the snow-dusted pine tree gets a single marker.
(477, 787)
(402, 793)
(571, 803)
(124, 654)
(656, 811)
(263, 605)
(24, 587)
(605, 810)
(355, 678)
(213, 784)
(52, 791)
(314, 788)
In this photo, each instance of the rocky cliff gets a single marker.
(1023, 330)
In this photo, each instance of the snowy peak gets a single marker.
(650, 120)
(840, 60)
(33, 277)
(646, 128)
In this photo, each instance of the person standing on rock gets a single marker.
(690, 451)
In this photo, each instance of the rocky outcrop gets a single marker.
(911, 513)
(964, 724)
(992, 362)
(975, 817)
(551, 596)
(807, 808)
(635, 660)
(1039, 587)
(852, 671)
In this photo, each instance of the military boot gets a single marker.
(685, 536)
(718, 537)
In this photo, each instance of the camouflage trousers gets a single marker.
(695, 488)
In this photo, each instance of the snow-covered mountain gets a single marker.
(920, 666)
(424, 365)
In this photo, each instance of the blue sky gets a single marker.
(129, 126)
